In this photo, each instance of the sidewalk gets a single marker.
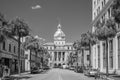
(22, 76)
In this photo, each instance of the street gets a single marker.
(58, 74)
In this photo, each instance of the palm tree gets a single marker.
(78, 47)
(19, 29)
(30, 44)
(45, 56)
(87, 40)
(70, 59)
(104, 33)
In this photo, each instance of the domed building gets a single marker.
(59, 49)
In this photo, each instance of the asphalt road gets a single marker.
(58, 74)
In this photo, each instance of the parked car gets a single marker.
(91, 72)
(46, 68)
(65, 66)
(34, 70)
(71, 68)
(86, 72)
(79, 69)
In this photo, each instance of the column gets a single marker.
(57, 56)
(61, 56)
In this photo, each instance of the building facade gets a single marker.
(59, 50)
(83, 58)
(9, 55)
(101, 11)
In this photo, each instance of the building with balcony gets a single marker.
(59, 49)
(101, 11)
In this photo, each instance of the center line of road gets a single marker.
(60, 78)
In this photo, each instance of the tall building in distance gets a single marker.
(59, 50)
(101, 11)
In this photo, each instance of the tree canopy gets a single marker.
(4, 28)
(108, 30)
(116, 10)
(77, 45)
(19, 27)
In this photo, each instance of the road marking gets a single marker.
(59, 78)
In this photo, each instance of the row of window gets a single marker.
(59, 43)
(98, 2)
(99, 8)
(106, 15)
(11, 48)
(60, 47)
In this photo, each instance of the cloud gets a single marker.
(36, 7)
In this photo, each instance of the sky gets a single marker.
(43, 16)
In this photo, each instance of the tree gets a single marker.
(4, 28)
(34, 44)
(116, 10)
(87, 40)
(72, 58)
(78, 47)
(104, 33)
(19, 29)
(29, 44)
(45, 56)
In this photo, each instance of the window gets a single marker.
(109, 14)
(55, 55)
(9, 47)
(118, 52)
(63, 55)
(3, 45)
(104, 56)
(68, 47)
(99, 56)
(59, 54)
(14, 49)
(88, 57)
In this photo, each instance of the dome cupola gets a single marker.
(59, 34)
